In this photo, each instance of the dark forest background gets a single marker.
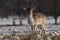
(14, 7)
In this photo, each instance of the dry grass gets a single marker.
(32, 36)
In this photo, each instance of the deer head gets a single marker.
(29, 9)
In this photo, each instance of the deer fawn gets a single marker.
(35, 19)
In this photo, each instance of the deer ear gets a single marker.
(24, 8)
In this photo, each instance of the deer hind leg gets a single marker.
(44, 28)
(40, 29)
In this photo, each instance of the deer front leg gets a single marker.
(34, 28)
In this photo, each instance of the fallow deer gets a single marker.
(35, 19)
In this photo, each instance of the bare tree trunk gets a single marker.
(55, 19)
(20, 22)
(13, 21)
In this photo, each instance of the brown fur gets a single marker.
(38, 19)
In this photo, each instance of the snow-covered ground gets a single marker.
(5, 21)
(26, 28)
(9, 21)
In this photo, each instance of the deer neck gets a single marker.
(31, 17)
(31, 13)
